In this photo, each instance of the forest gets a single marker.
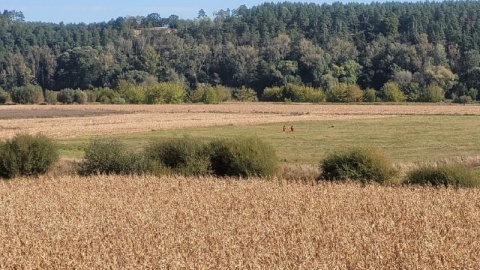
(409, 51)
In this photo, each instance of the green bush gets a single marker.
(463, 99)
(293, 93)
(358, 164)
(91, 95)
(392, 93)
(210, 95)
(456, 175)
(27, 155)
(80, 97)
(109, 156)
(187, 156)
(51, 97)
(343, 92)
(161, 93)
(370, 95)
(117, 100)
(245, 95)
(103, 94)
(197, 96)
(132, 94)
(243, 157)
(70, 96)
(224, 93)
(66, 96)
(433, 93)
(29, 94)
(4, 96)
(273, 94)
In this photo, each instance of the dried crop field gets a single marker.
(64, 121)
(180, 223)
(133, 222)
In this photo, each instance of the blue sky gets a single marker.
(89, 11)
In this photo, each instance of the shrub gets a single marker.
(197, 96)
(243, 157)
(109, 156)
(131, 93)
(343, 92)
(91, 95)
(104, 94)
(456, 175)
(27, 155)
(273, 94)
(210, 95)
(51, 97)
(80, 97)
(69, 96)
(433, 93)
(224, 94)
(4, 96)
(358, 164)
(117, 100)
(245, 95)
(370, 95)
(463, 99)
(186, 156)
(170, 93)
(29, 94)
(294, 93)
(66, 96)
(391, 92)
(299, 93)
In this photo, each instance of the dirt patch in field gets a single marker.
(54, 113)
(60, 121)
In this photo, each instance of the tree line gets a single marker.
(422, 51)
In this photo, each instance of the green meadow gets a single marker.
(404, 138)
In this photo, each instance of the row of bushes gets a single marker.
(27, 155)
(173, 93)
(370, 165)
(343, 92)
(128, 93)
(242, 157)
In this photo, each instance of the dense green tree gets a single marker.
(412, 44)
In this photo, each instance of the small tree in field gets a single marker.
(392, 93)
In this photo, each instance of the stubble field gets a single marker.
(135, 222)
(63, 121)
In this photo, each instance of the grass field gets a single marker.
(405, 139)
(60, 221)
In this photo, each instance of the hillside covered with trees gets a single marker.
(423, 51)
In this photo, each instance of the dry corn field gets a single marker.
(179, 223)
(63, 221)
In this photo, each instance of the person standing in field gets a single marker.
(292, 129)
(284, 128)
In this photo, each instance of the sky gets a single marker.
(90, 11)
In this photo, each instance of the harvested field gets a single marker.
(170, 223)
(64, 121)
